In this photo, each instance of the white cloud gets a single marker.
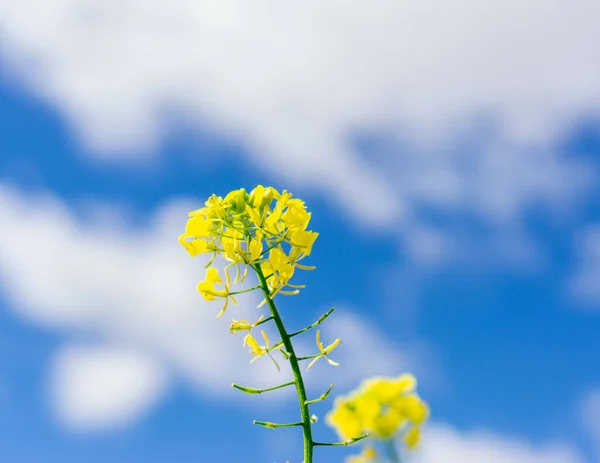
(104, 387)
(292, 81)
(443, 444)
(585, 283)
(132, 292)
(590, 413)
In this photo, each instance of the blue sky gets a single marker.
(458, 224)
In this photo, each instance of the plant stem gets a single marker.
(251, 390)
(343, 443)
(392, 452)
(287, 342)
(268, 424)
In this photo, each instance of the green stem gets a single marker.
(321, 397)
(242, 291)
(318, 322)
(287, 342)
(264, 320)
(268, 424)
(310, 357)
(342, 443)
(251, 390)
(392, 453)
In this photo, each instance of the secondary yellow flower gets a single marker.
(345, 419)
(387, 389)
(384, 408)
(368, 455)
(325, 350)
(257, 350)
(385, 423)
(208, 291)
(411, 438)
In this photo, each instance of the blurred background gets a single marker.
(449, 153)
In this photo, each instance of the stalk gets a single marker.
(392, 452)
(298, 381)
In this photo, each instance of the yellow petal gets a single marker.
(331, 362)
(412, 437)
(249, 339)
(266, 338)
(333, 345)
(212, 275)
(319, 344)
(313, 362)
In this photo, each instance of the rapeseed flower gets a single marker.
(325, 351)
(263, 229)
(368, 455)
(208, 291)
(386, 408)
(244, 325)
(257, 350)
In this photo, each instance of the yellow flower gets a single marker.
(198, 226)
(325, 350)
(368, 407)
(215, 209)
(236, 200)
(261, 197)
(241, 252)
(412, 437)
(268, 223)
(238, 254)
(208, 291)
(387, 389)
(368, 455)
(256, 349)
(194, 247)
(242, 227)
(383, 407)
(302, 243)
(285, 200)
(278, 269)
(386, 423)
(345, 419)
(199, 229)
(412, 407)
(243, 325)
(295, 217)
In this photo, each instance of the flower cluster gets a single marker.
(383, 407)
(263, 229)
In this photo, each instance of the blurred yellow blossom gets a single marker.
(368, 455)
(383, 407)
